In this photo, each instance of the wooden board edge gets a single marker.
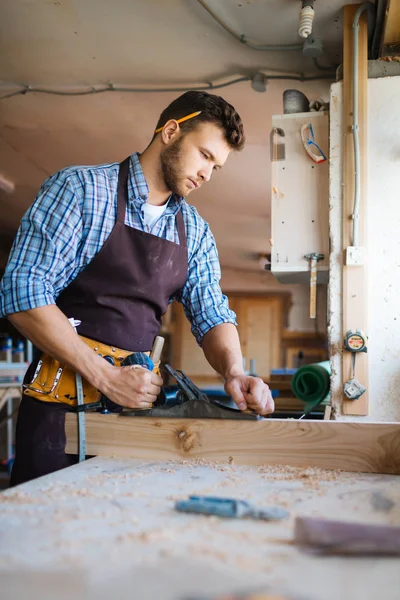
(357, 447)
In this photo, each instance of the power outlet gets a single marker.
(355, 256)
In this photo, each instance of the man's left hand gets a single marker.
(250, 392)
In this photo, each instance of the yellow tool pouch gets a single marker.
(55, 382)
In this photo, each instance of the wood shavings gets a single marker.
(176, 497)
(137, 494)
(290, 473)
(208, 551)
(147, 537)
(19, 498)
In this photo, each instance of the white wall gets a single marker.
(383, 246)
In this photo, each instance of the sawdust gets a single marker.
(277, 472)
(176, 497)
(134, 494)
(311, 477)
(201, 462)
(231, 481)
(19, 498)
(208, 551)
(148, 537)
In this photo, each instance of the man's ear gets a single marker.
(170, 132)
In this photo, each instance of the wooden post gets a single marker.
(355, 291)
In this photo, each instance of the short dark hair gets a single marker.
(214, 109)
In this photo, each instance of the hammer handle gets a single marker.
(156, 351)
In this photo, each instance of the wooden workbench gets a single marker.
(107, 528)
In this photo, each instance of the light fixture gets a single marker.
(306, 18)
(313, 47)
(259, 82)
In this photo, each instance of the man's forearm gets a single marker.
(221, 347)
(50, 331)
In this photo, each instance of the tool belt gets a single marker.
(53, 381)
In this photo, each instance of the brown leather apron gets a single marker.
(120, 298)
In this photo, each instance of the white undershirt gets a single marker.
(152, 213)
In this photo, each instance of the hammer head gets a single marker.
(314, 256)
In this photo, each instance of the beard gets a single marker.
(171, 170)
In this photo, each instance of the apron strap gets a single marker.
(181, 228)
(122, 190)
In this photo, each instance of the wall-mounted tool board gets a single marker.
(299, 198)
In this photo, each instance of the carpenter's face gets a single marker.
(190, 160)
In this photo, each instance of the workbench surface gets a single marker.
(107, 528)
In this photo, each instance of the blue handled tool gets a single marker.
(139, 359)
(229, 508)
(136, 359)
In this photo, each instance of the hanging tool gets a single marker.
(310, 145)
(314, 258)
(355, 341)
(189, 402)
(229, 508)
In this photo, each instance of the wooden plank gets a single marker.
(391, 33)
(366, 447)
(355, 290)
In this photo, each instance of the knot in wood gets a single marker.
(187, 439)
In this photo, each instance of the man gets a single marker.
(110, 246)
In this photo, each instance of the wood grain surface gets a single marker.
(362, 447)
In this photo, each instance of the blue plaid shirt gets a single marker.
(71, 218)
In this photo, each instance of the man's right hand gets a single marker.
(132, 387)
(127, 386)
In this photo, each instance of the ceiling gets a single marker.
(70, 45)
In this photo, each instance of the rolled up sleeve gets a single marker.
(41, 258)
(204, 303)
